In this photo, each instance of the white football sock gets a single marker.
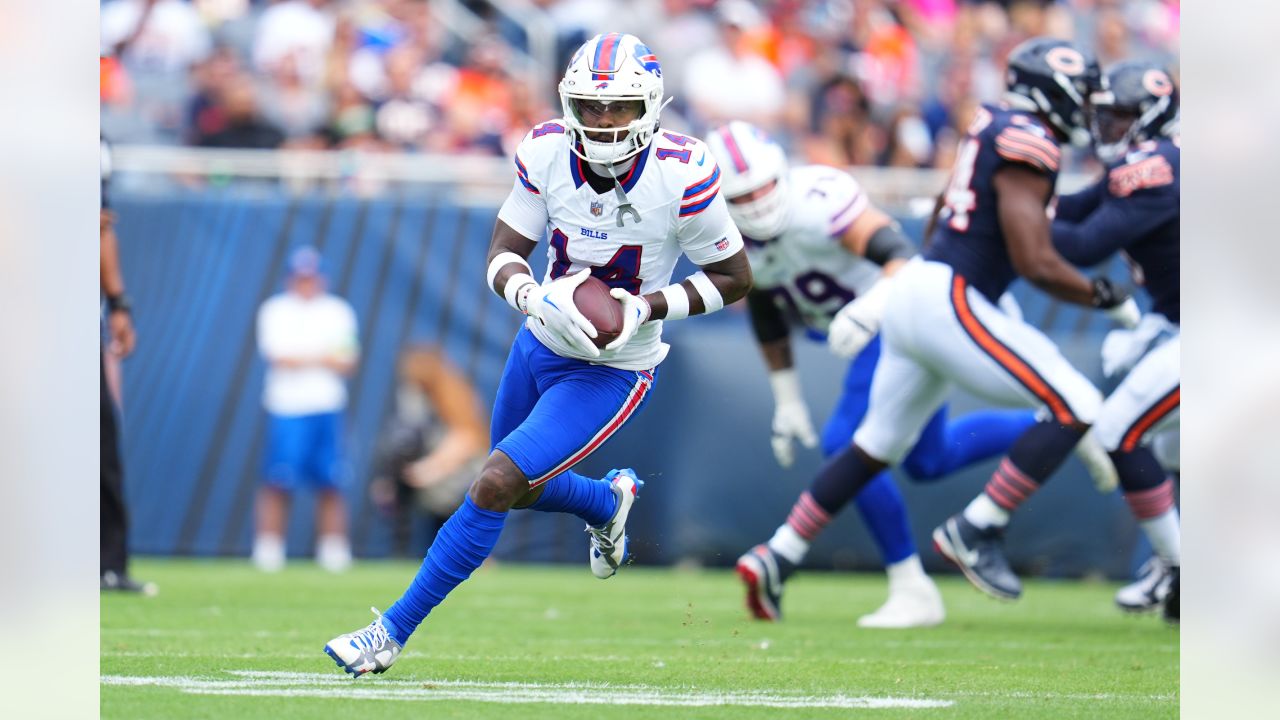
(984, 513)
(905, 572)
(268, 552)
(1165, 537)
(788, 543)
(333, 552)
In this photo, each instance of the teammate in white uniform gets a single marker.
(815, 243)
(620, 199)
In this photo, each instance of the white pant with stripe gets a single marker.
(937, 331)
(1147, 402)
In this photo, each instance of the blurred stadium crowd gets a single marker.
(843, 82)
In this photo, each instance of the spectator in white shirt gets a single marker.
(309, 339)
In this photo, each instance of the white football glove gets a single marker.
(858, 322)
(635, 312)
(790, 417)
(552, 304)
(1126, 314)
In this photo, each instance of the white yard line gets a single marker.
(287, 684)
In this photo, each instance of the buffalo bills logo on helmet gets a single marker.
(647, 59)
(597, 208)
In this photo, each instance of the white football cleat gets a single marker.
(609, 541)
(1149, 590)
(370, 649)
(910, 605)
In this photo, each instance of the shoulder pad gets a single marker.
(1023, 139)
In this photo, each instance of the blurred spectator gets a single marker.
(839, 81)
(243, 125)
(296, 107)
(730, 80)
(430, 451)
(160, 35)
(299, 31)
(309, 339)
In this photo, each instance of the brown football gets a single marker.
(602, 311)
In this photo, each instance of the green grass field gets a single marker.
(222, 641)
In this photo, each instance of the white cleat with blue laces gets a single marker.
(370, 649)
(609, 541)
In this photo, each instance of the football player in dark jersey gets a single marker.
(942, 326)
(1134, 209)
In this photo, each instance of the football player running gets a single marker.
(815, 242)
(1134, 209)
(620, 199)
(941, 324)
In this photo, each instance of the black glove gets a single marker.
(1117, 302)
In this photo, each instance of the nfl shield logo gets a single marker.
(597, 208)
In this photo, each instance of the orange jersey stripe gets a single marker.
(1012, 150)
(1030, 138)
(1157, 412)
(1007, 359)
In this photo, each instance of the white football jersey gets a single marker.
(675, 186)
(806, 269)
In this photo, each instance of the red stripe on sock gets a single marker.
(1152, 503)
(1017, 477)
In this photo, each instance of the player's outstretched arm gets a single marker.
(714, 286)
(791, 417)
(1020, 196)
(875, 236)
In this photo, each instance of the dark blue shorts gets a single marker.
(552, 412)
(304, 450)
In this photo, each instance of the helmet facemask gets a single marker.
(607, 130)
(765, 214)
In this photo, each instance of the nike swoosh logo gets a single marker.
(703, 158)
(963, 554)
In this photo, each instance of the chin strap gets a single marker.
(624, 205)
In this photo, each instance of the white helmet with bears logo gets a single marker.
(752, 163)
(609, 68)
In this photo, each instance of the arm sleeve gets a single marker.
(1115, 224)
(1077, 206)
(767, 320)
(705, 231)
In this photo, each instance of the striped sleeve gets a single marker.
(848, 201)
(698, 196)
(522, 174)
(1019, 145)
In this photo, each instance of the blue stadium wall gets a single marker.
(200, 262)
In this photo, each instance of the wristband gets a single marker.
(512, 292)
(677, 302)
(119, 303)
(711, 298)
(500, 261)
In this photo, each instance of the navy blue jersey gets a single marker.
(968, 236)
(1132, 209)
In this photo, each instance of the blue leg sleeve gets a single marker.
(464, 541)
(945, 447)
(885, 514)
